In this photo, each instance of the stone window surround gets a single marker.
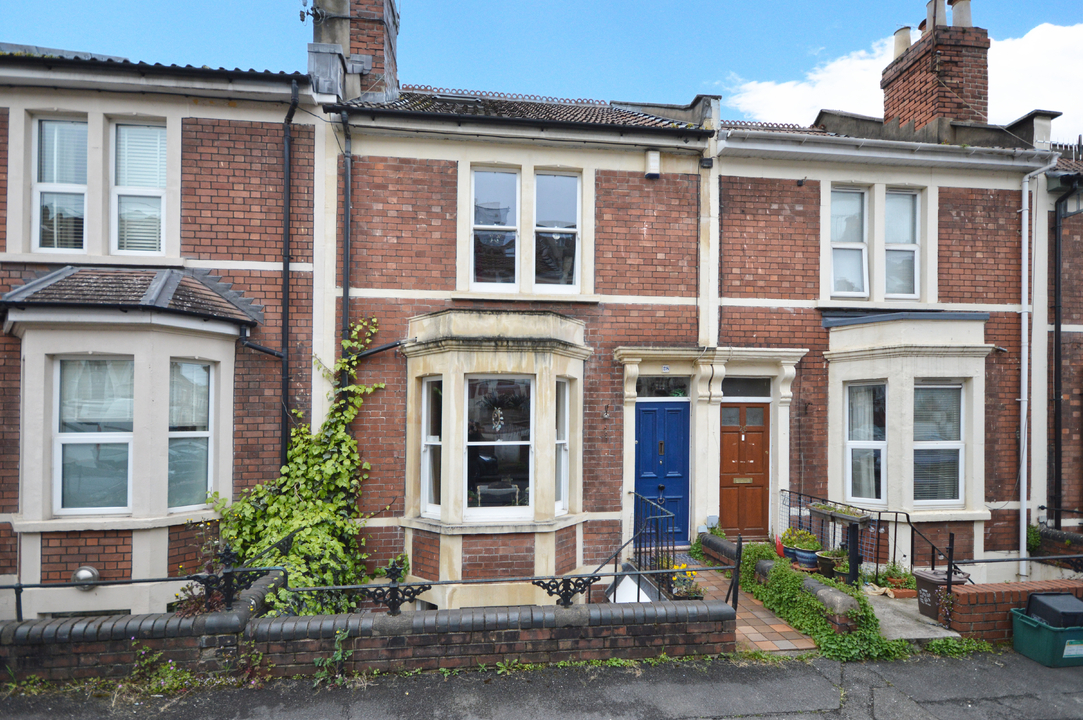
(875, 194)
(707, 367)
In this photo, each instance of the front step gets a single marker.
(900, 618)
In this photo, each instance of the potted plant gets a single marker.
(826, 560)
(804, 545)
(898, 578)
(839, 513)
(685, 586)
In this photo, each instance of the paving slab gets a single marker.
(901, 618)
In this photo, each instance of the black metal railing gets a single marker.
(874, 539)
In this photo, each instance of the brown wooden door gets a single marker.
(744, 481)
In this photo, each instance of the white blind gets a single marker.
(140, 156)
(62, 152)
(139, 223)
(937, 414)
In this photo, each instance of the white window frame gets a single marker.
(524, 512)
(862, 246)
(61, 439)
(40, 187)
(116, 191)
(430, 507)
(851, 445)
(208, 433)
(574, 287)
(562, 449)
(959, 445)
(914, 248)
(508, 287)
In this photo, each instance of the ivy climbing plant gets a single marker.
(316, 496)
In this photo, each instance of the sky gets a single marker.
(773, 61)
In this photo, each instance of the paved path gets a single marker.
(757, 627)
(1006, 686)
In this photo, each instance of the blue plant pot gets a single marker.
(805, 558)
(790, 553)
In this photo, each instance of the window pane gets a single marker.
(562, 411)
(937, 414)
(754, 417)
(900, 272)
(433, 453)
(96, 396)
(867, 412)
(495, 199)
(189, 397)
(936, 474)
(558, 495)
(498, 410)
(434, 398)
(849, 268)
(62, 152)
(139, 223)
(731, 416)
(498, 475)
(140, 156)
(557, 201)
(847, 217)
(188, 471)
(746, 387)
(494, 257)
(94, 475)
(865, 473)
(562, 442)
(901, 219)
(62, 221)
(662, 386)
(554, 262)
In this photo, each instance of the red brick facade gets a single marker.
(945, 74)
(489, 556)
(110, 551)
(566, 550)
(1071, 371)
(404, 224)
(373, 31)
(646, 238)
(186, 549)
(978, 247)
(770, 232)
(425, 556)
(938, 535)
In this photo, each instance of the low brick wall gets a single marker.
(1061, 542)
(837, 604)
(85, 647)
(982, 611)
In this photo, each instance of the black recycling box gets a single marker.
(1056, 609)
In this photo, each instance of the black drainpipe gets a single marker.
(1058, 443)
(287, 199)
(347, 212)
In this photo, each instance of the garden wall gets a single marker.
(982, 611)
(75, 648)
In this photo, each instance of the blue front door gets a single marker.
(662, 459)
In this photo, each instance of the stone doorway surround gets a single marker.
(707, 367)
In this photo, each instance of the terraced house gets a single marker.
(585, 302)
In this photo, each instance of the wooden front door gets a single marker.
(744, 482)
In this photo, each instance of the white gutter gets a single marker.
(1024, 370)
(833, 148)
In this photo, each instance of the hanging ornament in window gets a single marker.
(498, 419)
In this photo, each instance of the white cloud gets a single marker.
(1036, 71)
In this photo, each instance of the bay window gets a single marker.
(60, 184)
(866, 441)
(138, 190)
(432, 419)
(561, 461)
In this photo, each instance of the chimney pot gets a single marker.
(923, 27)
(960, 13)
(902, 41)
(936, 13)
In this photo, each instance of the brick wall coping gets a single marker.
(718, 548)
(526, 617)
(158, 625)
(1012, 592)
(1063, 536)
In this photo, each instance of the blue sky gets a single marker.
(774, 60)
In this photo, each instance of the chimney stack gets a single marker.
(945, 74)
(363, 34)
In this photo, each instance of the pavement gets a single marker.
(1006, 685)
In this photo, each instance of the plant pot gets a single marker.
(896, 582)
(805, 558)
(789, 552)
(826, 564)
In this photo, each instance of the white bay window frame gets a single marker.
(431, 448)
(517, 512)
(958, 446)
(207, 434)
(561, 460)
(853, 445)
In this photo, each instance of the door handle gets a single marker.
(661, 447)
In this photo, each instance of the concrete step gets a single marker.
(900, 618)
